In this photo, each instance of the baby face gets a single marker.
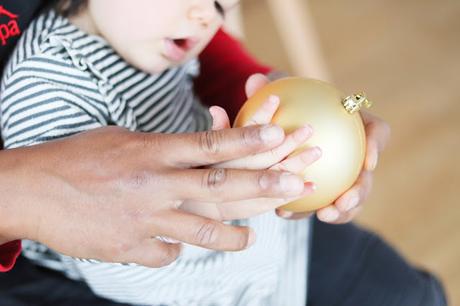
(154, 35)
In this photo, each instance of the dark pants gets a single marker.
(353, 267)
(349, 267)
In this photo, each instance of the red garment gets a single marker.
(9, 252)
(225, 67)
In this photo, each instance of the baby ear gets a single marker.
(254, 83)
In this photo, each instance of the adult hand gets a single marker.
(104, 194)
(348, 205)
(275, 159)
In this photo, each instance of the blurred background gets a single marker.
(406, 56)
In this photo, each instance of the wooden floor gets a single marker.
(406, 56)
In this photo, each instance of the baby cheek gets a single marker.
(205, 41)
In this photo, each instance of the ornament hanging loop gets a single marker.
(355, 102)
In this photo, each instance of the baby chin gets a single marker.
(152, 64)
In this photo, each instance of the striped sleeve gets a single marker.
(35, 109)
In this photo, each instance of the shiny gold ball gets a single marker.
(339, 133)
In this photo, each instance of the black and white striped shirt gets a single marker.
(61, 81)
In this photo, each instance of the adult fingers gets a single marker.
(151, 253)
(223, 185)
(328, 214)
(348, 216)
(203, 232)
(377, 134)
(210, 147)
(354, 196)
(349, 201)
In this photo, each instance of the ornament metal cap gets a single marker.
(355, 102)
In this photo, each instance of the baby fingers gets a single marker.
(269, 158)
(299, 162)
(265, 113)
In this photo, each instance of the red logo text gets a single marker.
(9, 29)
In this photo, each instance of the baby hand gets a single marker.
(276, 159)
(347, 206)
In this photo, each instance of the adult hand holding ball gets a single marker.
(339, 132)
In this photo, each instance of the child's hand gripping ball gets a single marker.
(338, 132)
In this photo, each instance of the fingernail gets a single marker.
(317, 151)
(330, 214)
(303, 133)
(251, 238)
(352, 203)
(273, 100)
(285, 214)
(373, 162)
(291, 183)
(270, 133)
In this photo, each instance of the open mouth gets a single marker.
(181, 43)
(177, 49)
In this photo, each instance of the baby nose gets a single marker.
(204, 13)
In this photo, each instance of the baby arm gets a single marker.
(36, 110)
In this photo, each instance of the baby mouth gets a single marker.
(185, 44)
(177, 48)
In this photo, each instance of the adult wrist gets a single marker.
(12, 196)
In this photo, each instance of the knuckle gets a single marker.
(207, 233)
(146, 141)
(263, 180)
(250, 136)
(210, 142)
(214, 178)
(139, 142)
(266, 181)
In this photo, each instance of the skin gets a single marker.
(105, 193)
(146, 48)
(348, 205)
(117, 197)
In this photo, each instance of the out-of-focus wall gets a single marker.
(406, 56)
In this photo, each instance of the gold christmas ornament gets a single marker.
(338, 131)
